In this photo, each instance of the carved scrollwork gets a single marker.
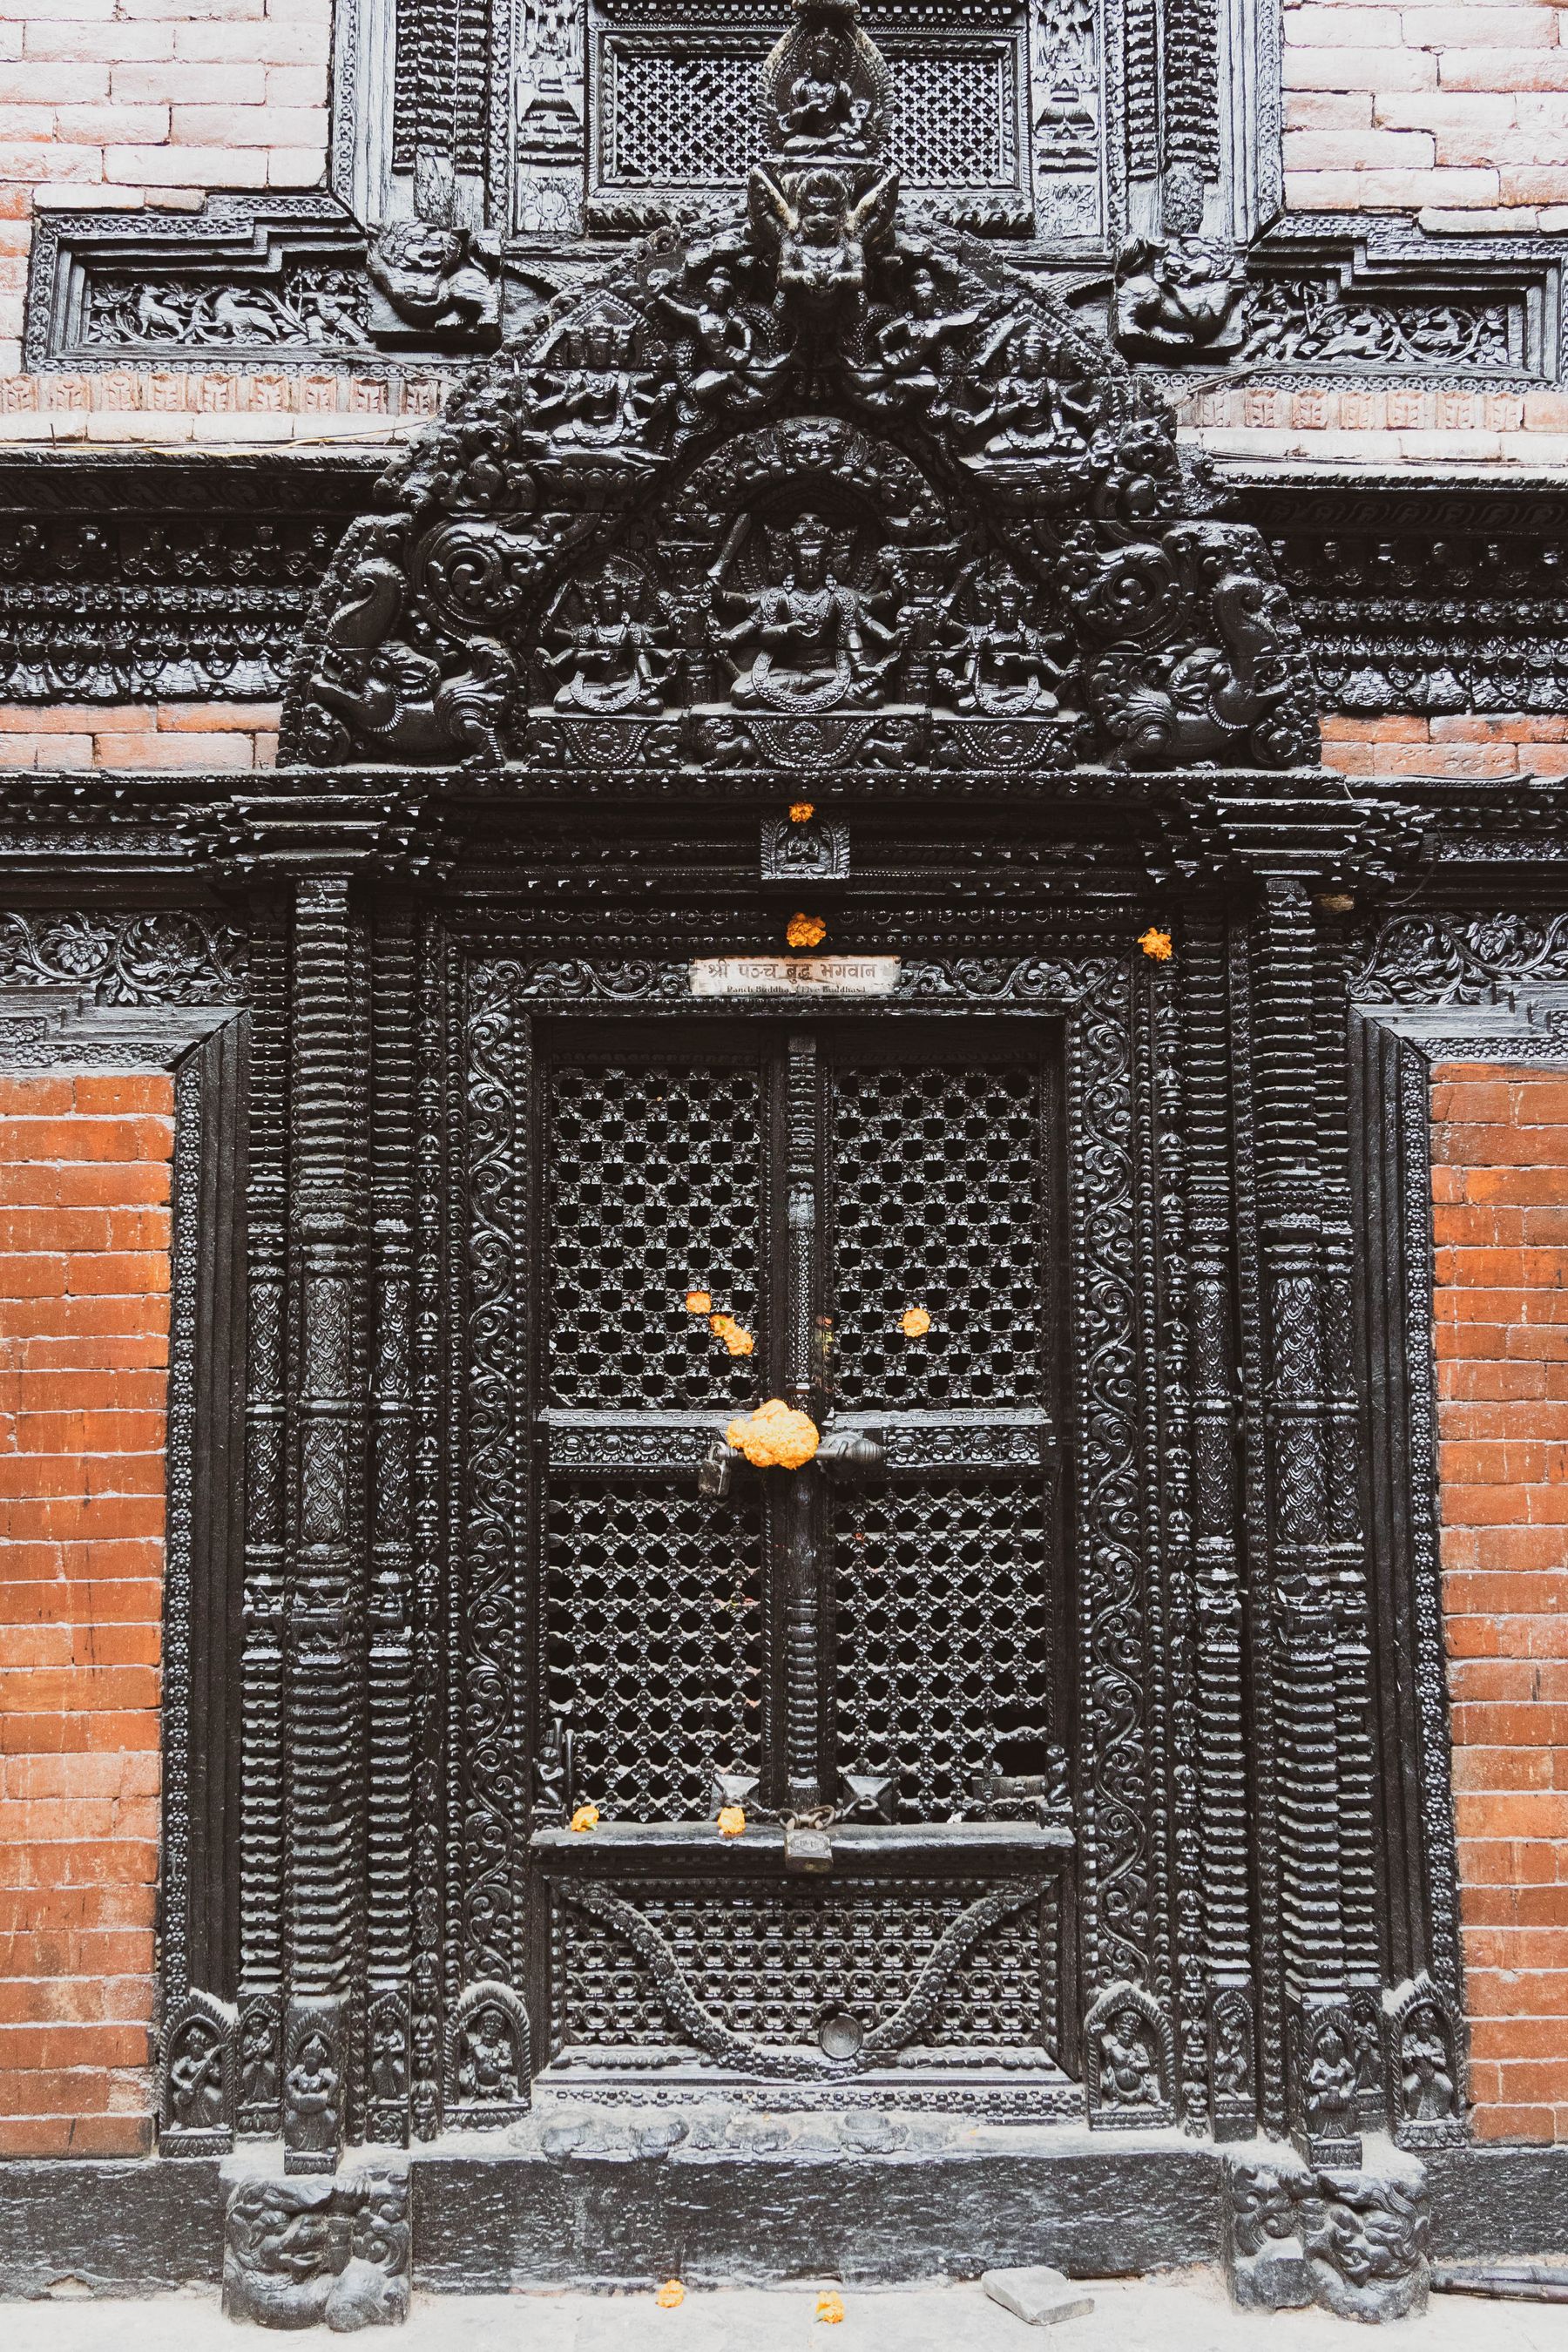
(172, 957)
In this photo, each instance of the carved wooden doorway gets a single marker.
(868, 1653)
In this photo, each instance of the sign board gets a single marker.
(821, 975)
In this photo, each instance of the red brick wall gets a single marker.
(84, 1280)
(1499, 1184)
(1501, 743)
(139, 734)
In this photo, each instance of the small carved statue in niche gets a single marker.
(808, 639)
(258, 2079)
(995, 656)
(486, 2073)
(436, 278)
(819, 107)
(388, 2054)
(311, 2092)
(195, 2077)
(610, 657)
(1128, 2070)
(915, 365)
(729, 368)
(596, 403)
(1027, 413)
(1427, 2090)
(820, 231)
(1177, 299)
(1232, 2049)
(1334, 2072)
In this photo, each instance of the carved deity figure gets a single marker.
(388, 2056)
(1427, 2083)
(1025, 411)
(819, 107)
(808, 639)
(610, 658)
(1129, 2076)
(729, 368)
(995, 656)
(597, 404)
(913, 363)
(195, 2077)
(486, 2063)
(1329, 2095)
(258, 2057)
(820, 231)
(310, 2091)
(433, 277)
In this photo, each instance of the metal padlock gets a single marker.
(807, 1849)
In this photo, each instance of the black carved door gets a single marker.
(870, 1647)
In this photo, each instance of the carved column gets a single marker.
(325, 1606)
(389, 1833)
(798, 1507)
(1323, 2063)
(261, 1801)
(1224, 1868)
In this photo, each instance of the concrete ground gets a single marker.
(1182, 2312)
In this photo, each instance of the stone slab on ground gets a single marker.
(1040, 2296)
(1182, 2312)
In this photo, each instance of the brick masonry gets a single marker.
(1451, 111)
(203, 735)
(1499, 1186)
(1501, 743)
(84, 1282)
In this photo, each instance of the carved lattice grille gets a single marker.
(653, 1637)
(944, 1630)
(938, 1177)
(769, 1962)
(675, 118)
(655, 1188)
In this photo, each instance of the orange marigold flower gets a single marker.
(914, 1322)
(801, 812)
(1157, 944)
(699, 1302)
(587, 1817)
(775, 1437)
(806, 931)
(670, 2296)
(731, 1820)
(735, 1336)
(830, 2309)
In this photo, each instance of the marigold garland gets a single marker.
(802, 811)
(1157, 944)
(735, 1336)
(775, 1437)
(806, 931)
(699, 1302)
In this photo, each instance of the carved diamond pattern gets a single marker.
(944, 1637)
(939, 1198)
(675, 118)
(653, 1637)
(655, 1188)
(769, 1965)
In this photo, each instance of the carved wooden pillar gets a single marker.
(389, 1830)
(1301, 1564)
(325, 1604)
(798, 1509)
(1224, 1864)
(262, 1792)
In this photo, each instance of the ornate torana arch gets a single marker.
(825, 482)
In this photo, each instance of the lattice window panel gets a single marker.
(770, 1962)
(653, 1635)
(654, 1189)
(938, 1203)
(945, 1635)
(677, 117)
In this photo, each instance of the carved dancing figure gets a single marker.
(609, 658)
(812, 638)
(731, 368)
(915, 365)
